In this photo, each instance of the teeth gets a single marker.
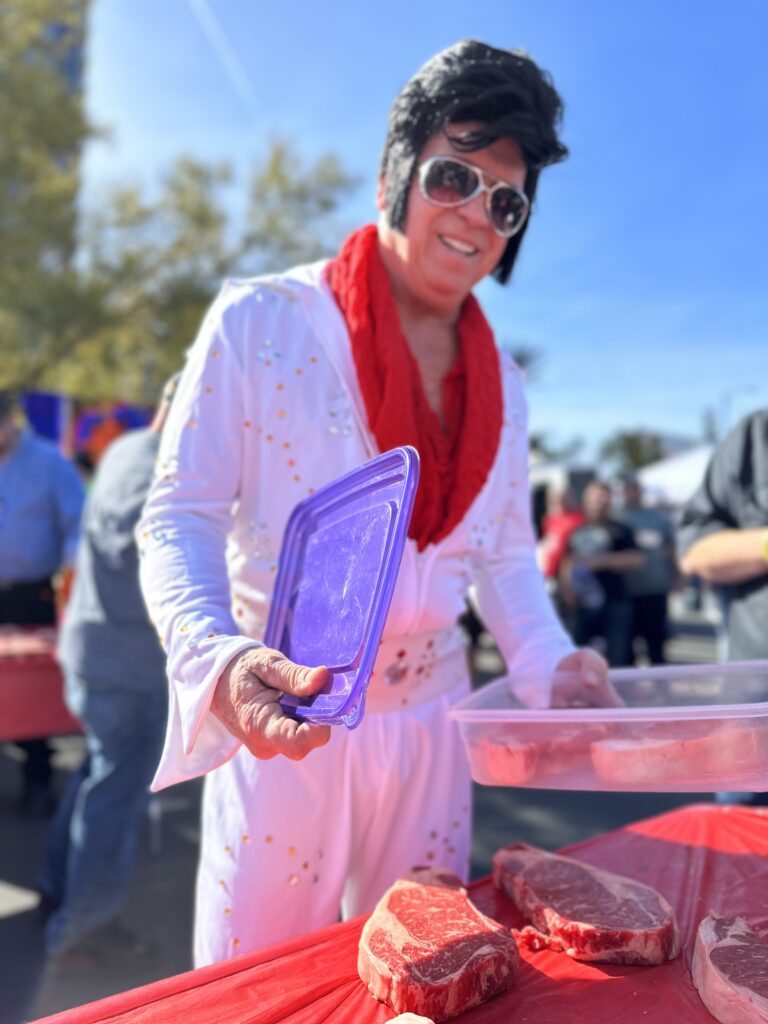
(462, 247)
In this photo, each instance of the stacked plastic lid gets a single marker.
(336, 575)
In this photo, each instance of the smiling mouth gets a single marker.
(456, 245)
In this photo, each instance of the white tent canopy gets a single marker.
(673, 480)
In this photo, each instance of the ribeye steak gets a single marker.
(426, 949)
(586, 912)
(730, 970)
(501, 760)
(684, 759)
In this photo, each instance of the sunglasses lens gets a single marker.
(447, 182)
(509, 209)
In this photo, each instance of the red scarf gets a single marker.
(455, 462)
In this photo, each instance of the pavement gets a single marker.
(161, 904)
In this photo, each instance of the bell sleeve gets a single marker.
(182, 538)
(509, 590)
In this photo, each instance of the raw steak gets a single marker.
(498, 757)
(641, 762)
(426, 949)
(499, 760)
(730, 970)
(568, 751)
(586, 912)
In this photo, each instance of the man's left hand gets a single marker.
(586, 684)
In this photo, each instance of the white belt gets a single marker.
(412, 669)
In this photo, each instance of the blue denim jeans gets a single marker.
(90, 853)
(613, 622)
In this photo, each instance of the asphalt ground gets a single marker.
(160, 908)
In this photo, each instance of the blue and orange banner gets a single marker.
(79, 427)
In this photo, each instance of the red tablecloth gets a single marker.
(31, 687)
(700, 857)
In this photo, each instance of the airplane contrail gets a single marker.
(227, 57)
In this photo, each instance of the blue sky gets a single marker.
(643, 278)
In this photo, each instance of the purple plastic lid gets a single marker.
(338, 565)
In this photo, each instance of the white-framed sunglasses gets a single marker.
(448, 181)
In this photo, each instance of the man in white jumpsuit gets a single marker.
(293, 380)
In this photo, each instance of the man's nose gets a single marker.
(476, 211)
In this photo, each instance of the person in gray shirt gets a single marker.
(648, 587)
(723, 536)
(115, 684)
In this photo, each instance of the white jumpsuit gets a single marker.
(267, 411)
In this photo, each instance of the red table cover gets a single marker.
(31, 687)
(700, 857)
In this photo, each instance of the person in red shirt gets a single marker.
(563, 516)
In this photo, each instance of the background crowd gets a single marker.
(610, 564)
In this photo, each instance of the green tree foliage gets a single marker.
(544, 447)
(159, 257)
(631, 450)
(291, 215)
(158, 261)
(101, 295)
(45, 304)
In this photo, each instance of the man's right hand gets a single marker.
(246, 702)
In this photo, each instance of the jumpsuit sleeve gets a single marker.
(509, 591)
(182, 539)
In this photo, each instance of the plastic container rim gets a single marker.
(673, 712)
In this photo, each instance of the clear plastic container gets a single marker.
(685, 729)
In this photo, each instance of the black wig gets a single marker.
(504, 91)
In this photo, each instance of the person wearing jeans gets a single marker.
(114, 668)
(91, 845)
(649, 586)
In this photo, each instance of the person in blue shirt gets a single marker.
(41, 500)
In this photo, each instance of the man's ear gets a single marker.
(381, 191)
